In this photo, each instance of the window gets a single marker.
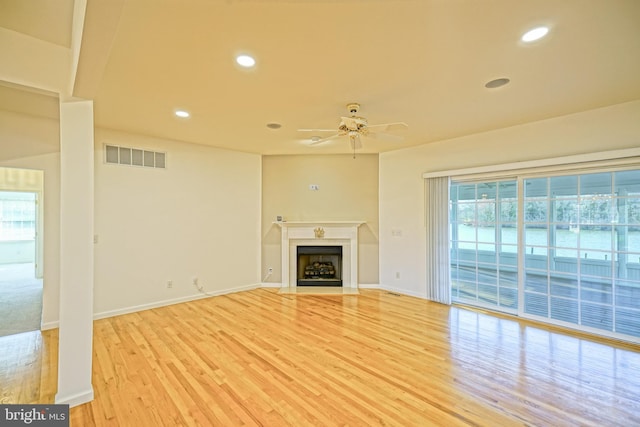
(579, 252)
(17, 216)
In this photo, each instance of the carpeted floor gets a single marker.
(20, 299)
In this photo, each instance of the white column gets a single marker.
(354, 261)
(76, 253)
(285, 258)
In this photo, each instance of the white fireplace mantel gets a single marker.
(334, 233)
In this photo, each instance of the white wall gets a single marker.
(23, 136)
(199, 217)
(17, 251)
(402, 186)
(348, 191)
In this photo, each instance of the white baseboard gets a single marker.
(50, 325)
(390, 289)
(148, 306)
(369, 286)
(270, 285)
(126, 310)
(163, 303)
(75, 399)
(402, 291)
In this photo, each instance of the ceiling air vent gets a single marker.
(117, 155)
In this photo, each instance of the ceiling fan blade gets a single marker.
(321, 140)
(388, 126)
(385, 137)
(316, 130)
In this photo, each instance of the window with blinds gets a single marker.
(563, 249)
(17, 215)
(582, 250)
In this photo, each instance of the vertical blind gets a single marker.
(437, 225)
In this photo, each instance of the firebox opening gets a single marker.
(319, 266)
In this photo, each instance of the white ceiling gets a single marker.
(423, 62)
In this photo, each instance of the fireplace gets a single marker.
(319, 266)
(341, 234)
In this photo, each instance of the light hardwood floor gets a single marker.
(378, 358)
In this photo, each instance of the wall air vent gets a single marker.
(117, 155)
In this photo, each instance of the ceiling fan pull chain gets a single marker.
(353, 145)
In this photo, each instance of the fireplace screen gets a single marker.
(319, 266)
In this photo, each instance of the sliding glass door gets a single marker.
(577, 261)
(484, 244)
(582, 252)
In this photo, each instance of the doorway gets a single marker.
(21, 281)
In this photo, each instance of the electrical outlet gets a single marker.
(397, 274)
(169, 284)
(270, 270)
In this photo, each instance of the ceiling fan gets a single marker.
(356, 127)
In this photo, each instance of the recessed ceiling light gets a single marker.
(245, 61)
(182, 114)
(535, 34)
(497, 83)
(274, 125)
